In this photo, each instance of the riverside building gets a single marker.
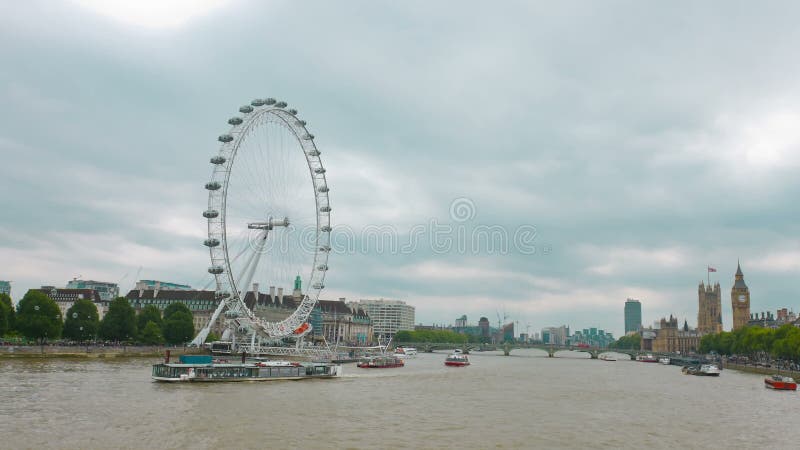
(107, 291)
(709, 311)
(389, 316)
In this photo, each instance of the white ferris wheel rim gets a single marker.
(228, 289)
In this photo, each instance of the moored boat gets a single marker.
(606, 357)
(381, 362)
(780, 383)
(405, 352)
(201, 368)
(664, 360)
(457, 360)
(648, 358)
(705, 370)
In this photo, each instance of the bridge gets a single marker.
(507, 347)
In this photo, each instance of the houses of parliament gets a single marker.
(709, 313)
(669, 337)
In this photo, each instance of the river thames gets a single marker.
(523, 401)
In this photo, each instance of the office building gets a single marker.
(633, 315)
(389, 316)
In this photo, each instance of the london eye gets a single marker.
(268, 218)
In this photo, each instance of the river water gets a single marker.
(523, 401)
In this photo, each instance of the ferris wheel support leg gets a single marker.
(200, 339)
(250, 269)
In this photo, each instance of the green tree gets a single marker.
(151, 334)
(119, 323)
(150, 313)
(7, 315)
(176, 307)
(212, 337)
(82, 321)
(632, 342)
(403, 336)
(38, 317)
(178, 327)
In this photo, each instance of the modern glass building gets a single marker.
(633, 316)
(107, 291)
(143, 285)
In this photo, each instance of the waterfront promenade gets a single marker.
(91, 351)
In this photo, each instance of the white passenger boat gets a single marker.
(405, 352)
(201, 368)
(664, 360)
(607, 357)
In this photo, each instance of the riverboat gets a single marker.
(405, 352)
(457, 360)
(381, 362)
(606, 357)
(665, 361)
(201, 368)
(705, 370)
(648, 358)
(780, 383)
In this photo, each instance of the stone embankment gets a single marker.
(760, 369)
(92, 351)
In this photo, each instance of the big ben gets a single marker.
(740, 300)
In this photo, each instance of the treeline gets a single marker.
(37, 317)
(783, 342)
(431, 336)
(632, 342)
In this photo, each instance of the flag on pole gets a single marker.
(711, 269)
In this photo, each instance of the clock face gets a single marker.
(742, 298)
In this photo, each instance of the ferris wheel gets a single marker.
(268, 218)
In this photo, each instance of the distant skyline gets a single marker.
(637, 143)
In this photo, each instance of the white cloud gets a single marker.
(616, 261)
(156, 14)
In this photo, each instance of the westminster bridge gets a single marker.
(507, 347)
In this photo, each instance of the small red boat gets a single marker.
(780, 383)
(457, 360)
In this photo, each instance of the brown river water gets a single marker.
(523, 401)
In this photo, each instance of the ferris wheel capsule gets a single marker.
(257, 102)
(213, 185)
(246, 109)
(225, 138)
(280, 104)
(235, 121)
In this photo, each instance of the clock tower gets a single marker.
(740, 300)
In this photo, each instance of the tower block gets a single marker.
(740, 300)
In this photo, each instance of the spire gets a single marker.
(738, 269)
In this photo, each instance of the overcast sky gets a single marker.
(621, 146)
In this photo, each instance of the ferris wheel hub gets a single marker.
(269, 224)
